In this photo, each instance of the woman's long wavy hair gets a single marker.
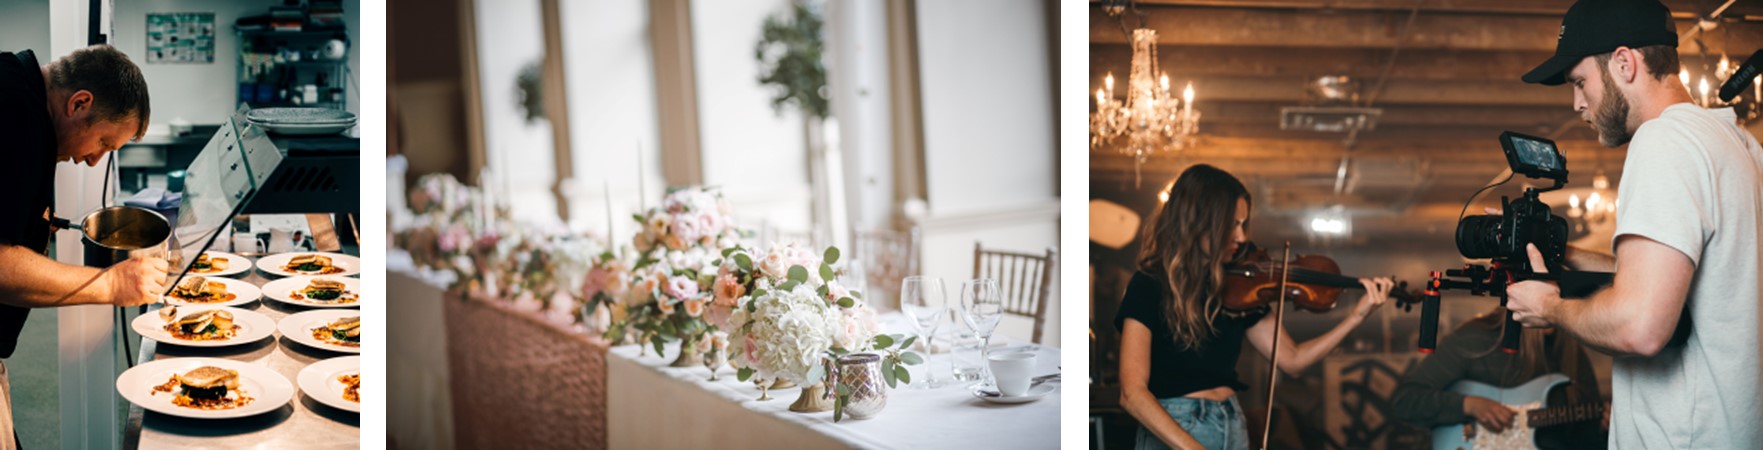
(1184, 245)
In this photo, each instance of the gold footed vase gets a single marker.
(812, 399)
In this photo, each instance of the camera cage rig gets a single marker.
(1513, 264)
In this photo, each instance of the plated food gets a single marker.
(335, 382)
(324, 290)
(219, 264)
(205, 388)
(210, 325)
(316, 292)
(206, 326)
(195, 290)
(337, 330)
(309, 263)
(351, 387)
(345, 331)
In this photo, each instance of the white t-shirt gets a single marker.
(1693, 181)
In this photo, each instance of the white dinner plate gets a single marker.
(253, 327)
(1034, 393)
(319, 381)
(235, 265)
(273, 264)
(243, 292)
(282, 291)
(269, 390)
(298, 327)
(305, 129)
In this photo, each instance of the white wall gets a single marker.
(510, 35)
(207, 93)
(24, 24)
(988, 146)
(611, 78)
(755, 155)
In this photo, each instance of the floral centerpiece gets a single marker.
(790, 319)
(675, 267)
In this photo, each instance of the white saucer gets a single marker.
(1034, 393)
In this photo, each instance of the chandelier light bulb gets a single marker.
(1573, 201)
(1165, 82)
(1684, 76)
(1703, 86)
(1109, 81)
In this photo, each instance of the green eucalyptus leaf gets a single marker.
(798, 274)
(729, 250)
(904, 375)
(883, 341)
(744, 262)
(744, 374)
(658, 348)
(888, 372)
(637, 217)
(826, 272)
(759, 293)
(839, 409)
(911, 358)
(843, 390)
(831, 256)
(908, 342)
(847, 302)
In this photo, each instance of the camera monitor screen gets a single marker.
(1534, 156)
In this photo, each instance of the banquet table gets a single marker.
(652, 405)
(302, 423)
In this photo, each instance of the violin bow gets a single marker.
(1279, 319)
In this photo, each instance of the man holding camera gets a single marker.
(1682, 316)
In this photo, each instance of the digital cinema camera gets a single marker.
(1502, 239)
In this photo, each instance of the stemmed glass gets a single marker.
(715, 350)
(923, 301)
(982, 309)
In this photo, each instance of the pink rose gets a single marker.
(681, 287)
(695, 307)
(728, 290)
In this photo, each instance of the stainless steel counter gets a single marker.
(302, 423)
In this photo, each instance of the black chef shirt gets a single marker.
(1176, 372)
(27, 164)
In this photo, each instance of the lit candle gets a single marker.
(1187, 99)
(1109, 82)
(1099, 98)
(1165, 82)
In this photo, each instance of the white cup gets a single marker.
(245, 243)
(1012, 372)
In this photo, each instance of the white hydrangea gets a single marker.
(786, 333)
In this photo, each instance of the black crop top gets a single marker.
(1175, 373)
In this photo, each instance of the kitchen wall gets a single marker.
(24, 25)
(206, 93)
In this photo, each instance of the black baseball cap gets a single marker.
(1594, 27)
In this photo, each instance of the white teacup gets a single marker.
(1011, 371)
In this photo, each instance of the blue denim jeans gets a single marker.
(1217, 425)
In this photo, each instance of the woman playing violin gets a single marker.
(1179, 345)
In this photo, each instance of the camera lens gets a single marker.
(1479, 236)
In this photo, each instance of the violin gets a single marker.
(1314, 282)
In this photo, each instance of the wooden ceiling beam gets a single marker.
(1364, 64)
(1268, 114)
(1291, 90)
(1681, 9)
(1187, 25)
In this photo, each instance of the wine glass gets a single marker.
(923, 301)
(716, 354)
(982, 309)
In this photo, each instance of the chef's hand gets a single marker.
(1531, 301)
(137, 281)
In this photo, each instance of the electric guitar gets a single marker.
(1528, 399)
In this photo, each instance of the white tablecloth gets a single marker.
(651, 405)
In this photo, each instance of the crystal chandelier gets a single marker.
(1152, 119)
(1596, 209)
